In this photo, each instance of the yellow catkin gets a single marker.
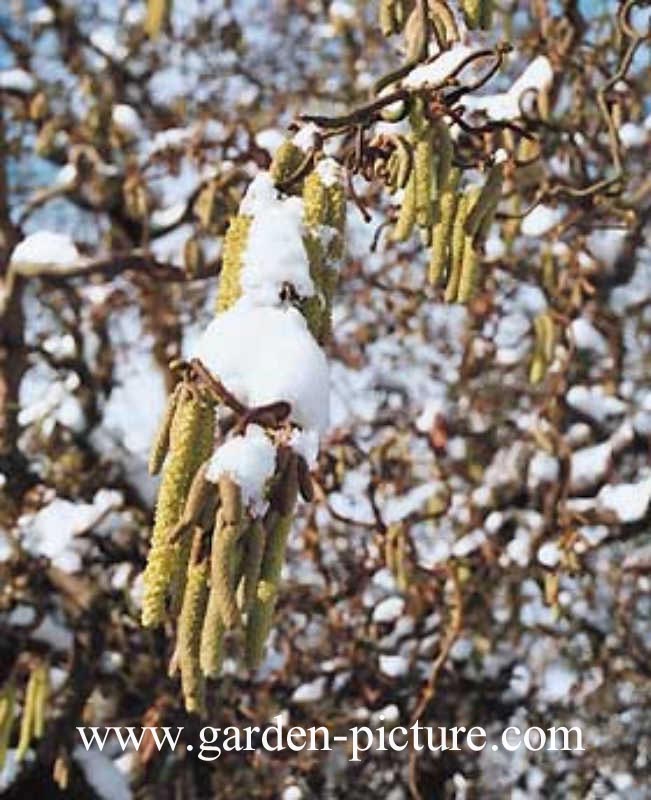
(445, 152)
(157, 12)
(472, 12)
(441, 235)
(317, 309)
(315, 200)
(544, 344)
(162, 439)
(7, 709)
(469, 271)
(485, 201)
(424, 179)
(255, 543)
(212, 632)
(456, 249)
(387, 18)
(486, 20)
(41, 697)
(191, 441)
(27, 718)
(223, 552)
(286, 161)
(407, 216)
(234, 245)
(191, 619)
(390, 541)
(204, 205)
(261, 616)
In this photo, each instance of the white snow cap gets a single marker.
(506, 105)
(540, 220)
(441, 68)
(46, 247)
(628, 501)
(17, 80)
(274, 252)
(249, 460)
(307, 137)
(265, 355)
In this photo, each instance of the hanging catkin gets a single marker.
(191, 619)
(278, 524)
(7, 709)
(190, 443)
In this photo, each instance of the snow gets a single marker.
(388, 610)
(306, 444)
(543, 468)
(393, 666)
(127, 119)
(17, 80)
(52, 531)
(632, 135)
(590, 465)
(307, 137)
(104, 39)
(342, 10)
(628, 501)
(329, 171)
(46, 247)
(557, 682)
(309, 692)
(595, 403)
(265, 355)
(270, 139)
(101, 773)
(549, 554)
(125, 416)
(435, 73)
(540, 220)
(250, 461)
(67, 175)
(506, 105)
(587, 337)
(274, 252)
(47, 401)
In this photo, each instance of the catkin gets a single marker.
(234, 246)
(456, 249)
(162, 439)
(544, 343)
(191, 441)
(223, 557)
(486, 20)
(7, 708)
(190, 623)
(442, 231)
(445, 152)
(286, 161)
(278, 526)
(423, 179)
(485, 202)
(41, 696)
(255, 543)
(27, 719)
(407, 215)
(157, 13)
(469, 272)
(472, 13)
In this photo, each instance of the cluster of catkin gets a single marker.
(454, 222)
(214, 566)
(398, 16)
(32, 722)
(544, 344)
